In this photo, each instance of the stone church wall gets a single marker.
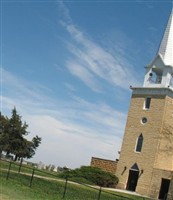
(156, 180)
(153, 161)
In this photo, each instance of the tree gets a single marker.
(3, 137)
(17, 131)
(13, 139)
(28, 148)
(36, 142)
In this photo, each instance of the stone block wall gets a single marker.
(104, 164)
(150, 131)
(155, 161)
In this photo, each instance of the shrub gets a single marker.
(91, 175)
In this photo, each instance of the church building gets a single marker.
(145, 164)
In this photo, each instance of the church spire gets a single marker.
(159, 73)
(166, 45)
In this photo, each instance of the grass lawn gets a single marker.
(26, 169)
(17, 188)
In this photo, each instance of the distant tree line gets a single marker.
(13, 140)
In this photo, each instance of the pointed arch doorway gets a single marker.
(133, 178)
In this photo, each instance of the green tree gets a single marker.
(17, 130)
(13, 137)
(28, 148)
(4, 122)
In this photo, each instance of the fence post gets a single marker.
(8, 170)
(100, 190)
(65, 188)
(20, 165)
(32, 177)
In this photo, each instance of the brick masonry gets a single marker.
(155, 161)
(106, 165)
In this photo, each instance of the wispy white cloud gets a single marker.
(73, 149)
(72, 127)
(22, 88)
(101, 114)
(70, 87)
(83, 74)
(92, 59)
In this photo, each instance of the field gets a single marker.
(47, 188)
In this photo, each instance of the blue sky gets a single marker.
(67, 67)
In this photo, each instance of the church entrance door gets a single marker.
(132, 180)
(164, 188)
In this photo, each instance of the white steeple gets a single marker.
(166, 46)
(159, 73)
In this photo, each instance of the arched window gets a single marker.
(139, 143)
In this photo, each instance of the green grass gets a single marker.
(17, 188)
(26, 169)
